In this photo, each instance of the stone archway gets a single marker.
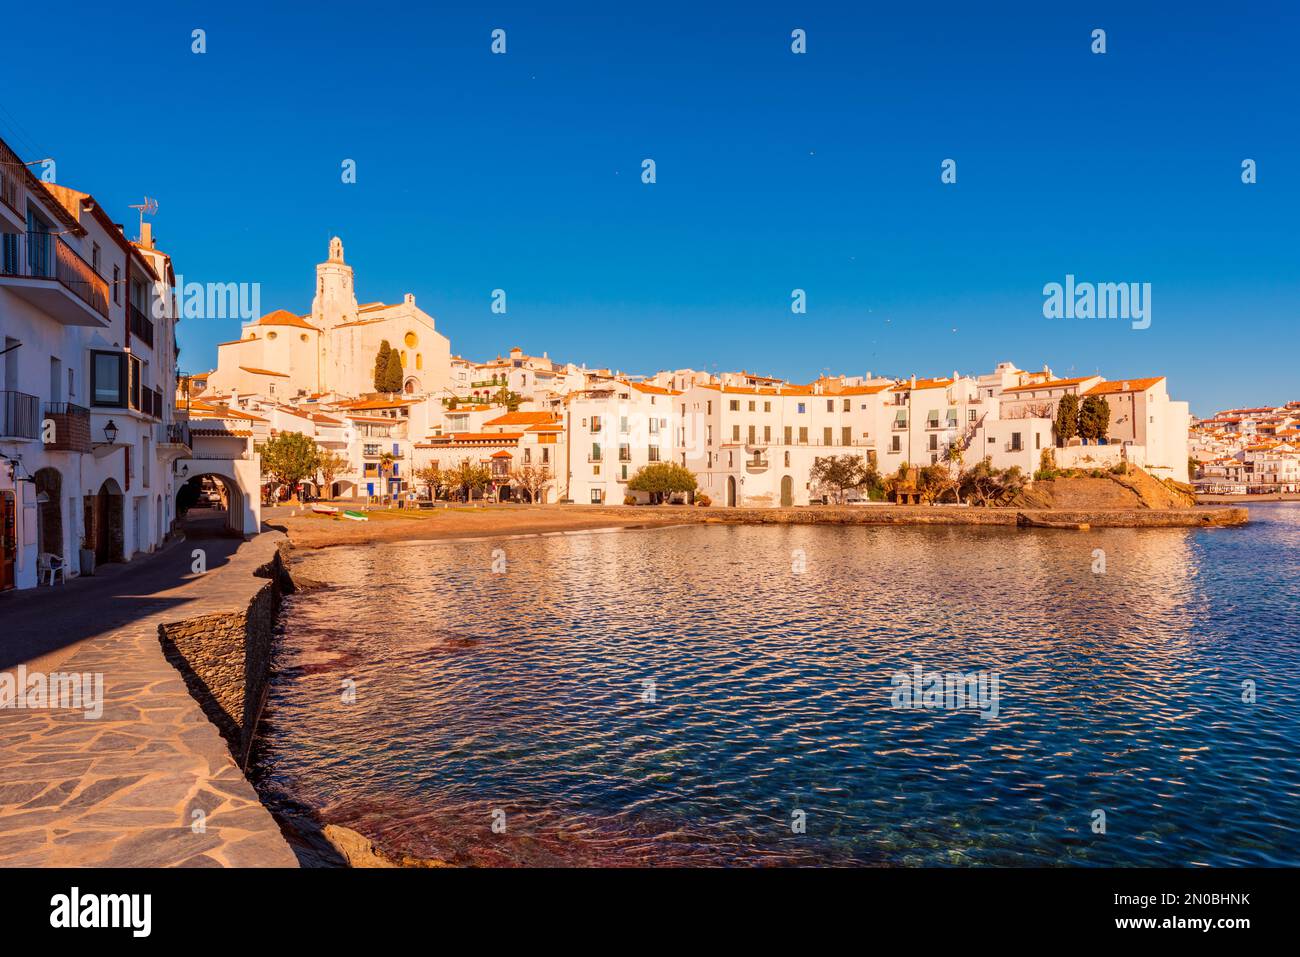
(49, 520)
(731, 490)
(210, 520)
(787, 490)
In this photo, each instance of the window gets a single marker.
(546, 456)
(894, 445)
(848, 405)
(934, 442)
(595, 451)
(623, 472)
(752, 430)
(767, 406)
(117, 283)
(622, 425)
(653, 453)
(846, 436)
(654, 426)
(735, 433)
(1038, 440)
(970, 415)
(751, 406)
(787, 458)
(1015, 441)
(528, 456)
(803, 435)
(800, 408)
(767, 433)
(597, 496)
(95, 257)
(827, 436)
(734, 405)
(788, 435)
(595, 423)
(830, 405)
(108, 380)
(625, 453)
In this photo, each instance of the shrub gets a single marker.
(629, 499)
(703, 501)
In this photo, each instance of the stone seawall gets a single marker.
(945, 515)
(225, 656)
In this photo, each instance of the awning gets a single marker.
(901, 416)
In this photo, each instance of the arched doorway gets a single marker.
(104, 523)
(787, 490)
(49, 523)
(731, 490)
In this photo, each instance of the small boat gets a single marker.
(355, 516)
(324, 509)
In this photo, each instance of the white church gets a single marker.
(330, 352)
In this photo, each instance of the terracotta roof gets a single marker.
(222, 433)
(282, 317)
(375, 404)
(205, 410)
(1124, 385)
(523, 418)
(359, 322)
(503, 454)
(282, 375)
(471, 438)
(907, 386)
(656, 389)
(1049, 384)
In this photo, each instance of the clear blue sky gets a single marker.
(775, 171)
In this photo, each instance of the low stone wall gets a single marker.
(225, 656)
(945, 515)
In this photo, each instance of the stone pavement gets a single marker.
(151, 782)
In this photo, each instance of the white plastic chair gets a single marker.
(49, 564)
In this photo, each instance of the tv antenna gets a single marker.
(148, 208)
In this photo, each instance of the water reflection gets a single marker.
(528, 693)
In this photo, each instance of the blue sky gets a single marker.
(775, 171)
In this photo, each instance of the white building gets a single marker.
(88, 432)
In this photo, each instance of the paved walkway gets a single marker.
(124, 789)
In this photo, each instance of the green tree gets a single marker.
(381, 366)
(331, 464)
(470, 477)
(661, 479)
(507, 398)
(393, 373)
(1094, 418)
(432, 478)
(1067, 418)
(839, 473)
(289, 458)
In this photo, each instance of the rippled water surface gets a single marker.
(677, 695)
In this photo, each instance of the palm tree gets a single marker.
(385, 467)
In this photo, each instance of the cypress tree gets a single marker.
(381, 365)
(393, 374)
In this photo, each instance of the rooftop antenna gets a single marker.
(148, 208)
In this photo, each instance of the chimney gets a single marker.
(410, 299)
(913, 380)
(146, 235)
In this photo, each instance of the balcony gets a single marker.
(13, 191)
(20, 417)
(757, 463)
(371, 452)
(177, 433)
(48, 273)
(141, 325)
(595, 457)
(71, 427)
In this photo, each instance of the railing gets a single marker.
(141, 325)
(71, 427)
(20, 415)
(595, 457)
(178, 433)
(1014, 447)
(11, 181)
(47, 256)
(150, 403)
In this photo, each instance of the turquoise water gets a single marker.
(685, 695)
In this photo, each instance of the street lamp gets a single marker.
(110, 432)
